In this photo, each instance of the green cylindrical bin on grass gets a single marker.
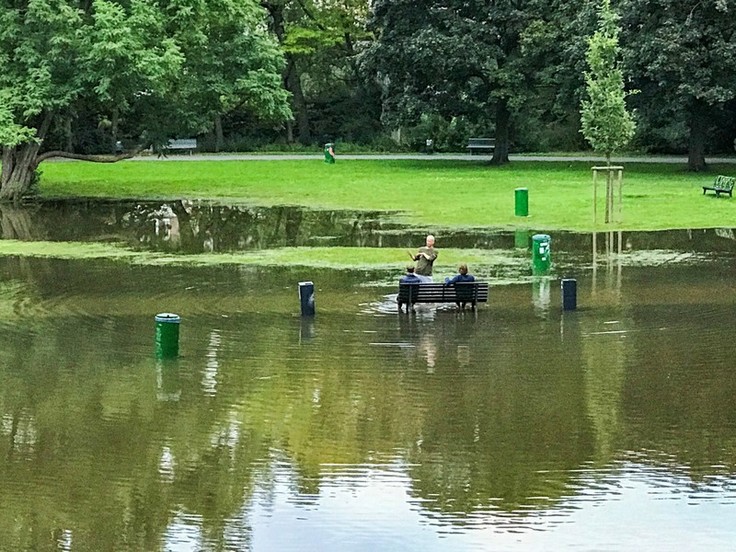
(167, 335)
(541, 254)
(521, 202)
(329, 153)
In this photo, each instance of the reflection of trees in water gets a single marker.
(488, 413)
(195, 227)
(501, 426)
(190, 227)
(17, 223)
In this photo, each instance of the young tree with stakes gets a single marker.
(606, 123)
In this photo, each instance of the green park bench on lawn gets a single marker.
(722, 185)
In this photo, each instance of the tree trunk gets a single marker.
(19, 171)
(114, 130)
(68, 134)
(503, 122)
(219, 136)
(292, 82)
(699, 123)
(294, 85)
(609, 189)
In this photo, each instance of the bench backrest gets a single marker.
(461, 292)
(724, 183)
(472, 142)
(183, 143)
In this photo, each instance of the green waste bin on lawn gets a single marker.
(521, 202)
(329, 153)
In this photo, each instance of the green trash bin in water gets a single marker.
(167, 335)
(329, 153)
(541, 254)
(521, 202)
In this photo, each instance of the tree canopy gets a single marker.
(459, 58)
(606, 123)
(145, 72)
(682, 54)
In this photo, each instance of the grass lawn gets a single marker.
(432, 194)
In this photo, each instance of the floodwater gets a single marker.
(518, 427)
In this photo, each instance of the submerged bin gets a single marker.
(541, 254)
(167, 335)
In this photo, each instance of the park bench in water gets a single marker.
(461, 293)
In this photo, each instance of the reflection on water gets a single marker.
(513, 427)
(197, 227)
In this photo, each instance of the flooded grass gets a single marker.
(348, 258)
(452, 194)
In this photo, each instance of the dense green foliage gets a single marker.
(459, 59)
(682, 55)
(134, 72)
(82, 78)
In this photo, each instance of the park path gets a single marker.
(417, 156)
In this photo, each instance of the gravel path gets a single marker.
(436, 157)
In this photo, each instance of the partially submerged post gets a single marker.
(569, 288)
(306, 298)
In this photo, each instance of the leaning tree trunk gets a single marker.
(19, 171)
(699, 123)
(503, 122)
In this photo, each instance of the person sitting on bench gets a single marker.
(461, 276)
(410, 277)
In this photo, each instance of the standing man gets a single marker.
(425, 258)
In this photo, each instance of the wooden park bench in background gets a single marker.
(481, 145)
(460, 293)
(722, 185)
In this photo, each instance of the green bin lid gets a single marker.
(168, 317)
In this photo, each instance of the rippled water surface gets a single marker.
(518, 427)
